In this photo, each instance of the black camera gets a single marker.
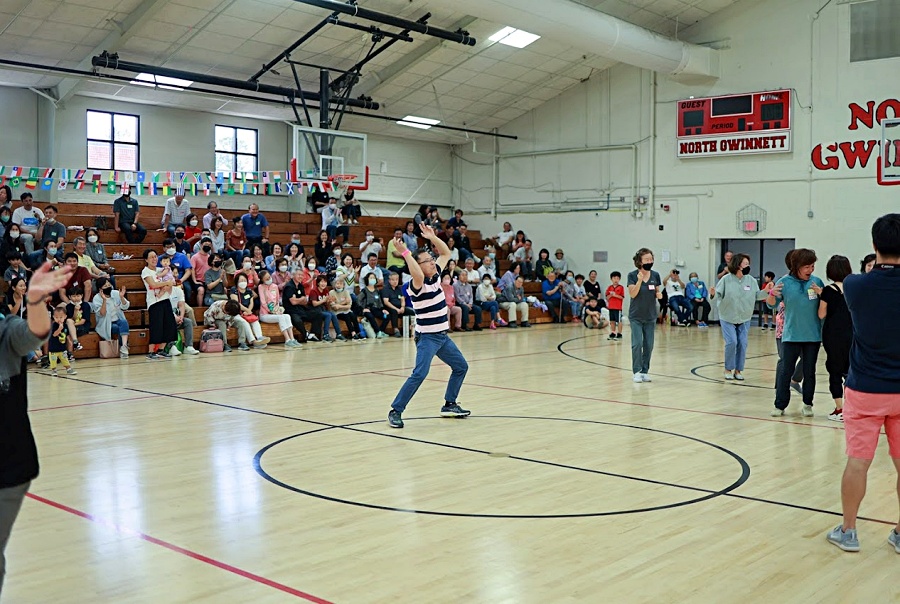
(676, 271)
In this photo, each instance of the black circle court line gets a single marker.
(674, 377)
(708, 493)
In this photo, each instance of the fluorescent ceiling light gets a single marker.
(148, 79)
(516, 38)
(422, 123)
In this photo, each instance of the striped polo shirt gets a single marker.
(430, 305)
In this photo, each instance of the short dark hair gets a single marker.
(26, 195)
(205, 240)
(168, 241)
(838, 268)
(321, 278)
(886, 235)
(75, 291)
(232, 308)
(52, 207)
(458, 211)
(615, 274)
(736, 261)
(802, 257)
(640, 254)
(770, 275)
(528, 241)
(147, 253)
(101, 282)
(213, 257)
(862, 263)
(13, 254)
(70, 255)
(372, 255)
(577, 277)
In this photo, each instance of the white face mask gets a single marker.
(92, 238)
(14, 234)
(267, 282)
(373, 281)
(297, 241)
(337, 252)
(247, 266)
(370, 237)
(312, 266)
(242, 286)
(282, 269)
(51, 251)
(170, 251)
(486, 282)
(194, 223)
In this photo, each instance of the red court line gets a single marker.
(632, 404)
(117, 400)
(180, 550)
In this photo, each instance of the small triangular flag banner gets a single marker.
(290, 188)
(139, 186)
(142, 177)
(16, 171)
(48, 172)
(96, 186)
(79, 185)
(231, 189)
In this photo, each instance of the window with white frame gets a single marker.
(113, 141)
(237, 149)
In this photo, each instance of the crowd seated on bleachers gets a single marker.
(236, 273)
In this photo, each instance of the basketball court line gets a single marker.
(117, 400)
(179, 550)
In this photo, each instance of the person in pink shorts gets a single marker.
(872, 392)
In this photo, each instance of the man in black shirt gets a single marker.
(18, 452)
(395, 302)
(462, 243)
(295, 301)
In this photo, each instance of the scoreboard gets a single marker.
(737, 124)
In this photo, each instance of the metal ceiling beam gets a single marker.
(371, 29)
(113, 42)
(287, 52)
(112, 62)
(400, 66)
(461, 37)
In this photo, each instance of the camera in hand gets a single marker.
(675, 271)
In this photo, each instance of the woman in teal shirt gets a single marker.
(802, 336)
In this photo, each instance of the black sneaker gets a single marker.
(618, 336)
(478, 328)
(454, 410)
(526, 324)
(394, 419)
(153, 356)
(612, 336)
(164, 355)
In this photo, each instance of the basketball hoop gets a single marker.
(342, 181)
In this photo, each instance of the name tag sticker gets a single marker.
(129, 206)
(746, 288)
(651, 287)
(812, 294)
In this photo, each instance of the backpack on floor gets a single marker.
(211, 340)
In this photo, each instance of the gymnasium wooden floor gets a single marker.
(186, 481)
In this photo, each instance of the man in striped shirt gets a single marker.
(432, 326)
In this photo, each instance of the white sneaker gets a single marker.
(776, 412)
(806, 411)
(261, 343)
(729, 375)
(645, 378)
(123, 352)
(191, 350)
(637, 379)
(174, 352)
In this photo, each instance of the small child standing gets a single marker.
(59, 340)
(615, 296)
(766, 312)
(79, 312)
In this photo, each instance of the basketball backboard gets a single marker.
(889, 157)
(321, 154)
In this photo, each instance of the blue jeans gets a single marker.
(429, 345)
(119, 328)
(576, 308)
(682, 307)
(492, 307)
(642, 334)
(331, 318)
(735, 344)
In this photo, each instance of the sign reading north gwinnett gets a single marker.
(741, 124)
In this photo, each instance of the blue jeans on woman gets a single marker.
(735, 337)
(493, 307)
(429, 345)
(642, 336)
(331, 319)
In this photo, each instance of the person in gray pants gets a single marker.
(18, 452)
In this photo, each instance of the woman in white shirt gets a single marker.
(487, 298)
(159, 310)
(217, 234)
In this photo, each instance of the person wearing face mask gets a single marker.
(246, 268)
(52, 229)
(199, 266)
(12, 242)
(331, 223)
(341, 304)
(181, 266)
(487, 299)
(736, 295)
(295, 240)
(282, 274)
(644, 289)
(97, 253)
(181, 243)
(5, 218)
(50, 254)
(248, 320)
(310, 273)
(698, 294)
(214, 280)
(109, 306)
(802, 335)
(30, 220)
(271, 310)
(175, 214)
(488, 268)
(373, 309)
(371, 245)
(192, 229)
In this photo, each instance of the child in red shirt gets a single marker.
(615, 295)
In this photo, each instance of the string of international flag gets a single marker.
(159, 183)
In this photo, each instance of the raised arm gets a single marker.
(437, 244)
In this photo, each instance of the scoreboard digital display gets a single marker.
(758, 122)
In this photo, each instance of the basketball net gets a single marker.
(341, 183)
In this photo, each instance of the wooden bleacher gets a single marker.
(281, 226)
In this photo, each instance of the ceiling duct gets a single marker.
(592, 31)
